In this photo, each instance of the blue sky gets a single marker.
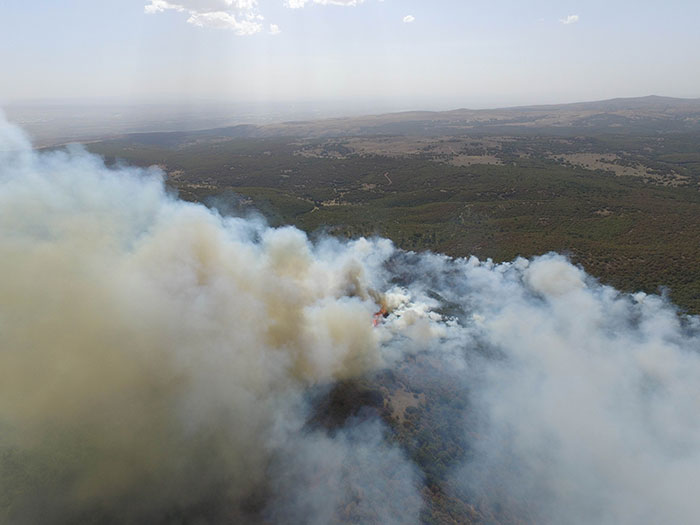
(449, 53)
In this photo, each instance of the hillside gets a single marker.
(51, 125)
(626, 207)
(622, 115)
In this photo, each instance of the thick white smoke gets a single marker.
(158, 364)
(590, 409)
(150, 347)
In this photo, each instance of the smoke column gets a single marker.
(159, 364)
(154, 353)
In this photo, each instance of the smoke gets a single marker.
(352, 477)
(161, 363)
(150, 347)
(588, 414)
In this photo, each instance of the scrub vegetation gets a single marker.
(625, 207)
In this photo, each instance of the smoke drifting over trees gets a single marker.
(161, 363)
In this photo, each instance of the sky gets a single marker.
(435, 54)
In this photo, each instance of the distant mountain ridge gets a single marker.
(620, 103)
(642, 115)
(652, 114)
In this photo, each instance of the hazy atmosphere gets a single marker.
(333, 262)
(368, 54)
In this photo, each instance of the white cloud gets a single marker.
(408, 19)
(240, 16)
(571, 19)
(297, 4)
(157, 6)
(225, 20)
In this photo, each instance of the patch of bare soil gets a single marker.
(400, 400)
(471, 160)
(621, 167)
